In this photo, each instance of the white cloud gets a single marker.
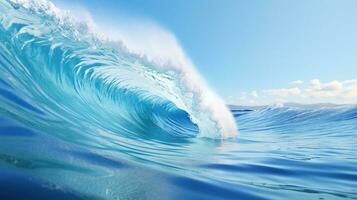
(313, 91)
(334, 91)
(321, 90)
(284, 92)
(350, 89)
(297, 82)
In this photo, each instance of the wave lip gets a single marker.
(63, 60)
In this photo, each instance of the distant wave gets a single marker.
(291, 115)
(60, 69)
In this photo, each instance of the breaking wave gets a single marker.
(61, 69)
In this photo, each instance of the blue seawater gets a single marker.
(83, 118)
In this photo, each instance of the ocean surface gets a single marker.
(82, 117)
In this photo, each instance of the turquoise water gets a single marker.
(281, 153)
(84, 118)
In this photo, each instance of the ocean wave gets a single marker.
(65, 69)
(296, 116)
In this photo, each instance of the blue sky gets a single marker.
(250, 52)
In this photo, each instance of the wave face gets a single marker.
(86, 118)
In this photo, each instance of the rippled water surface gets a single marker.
(281, 153)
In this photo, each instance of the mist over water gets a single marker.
(86, 118)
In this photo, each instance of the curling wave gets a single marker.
(63, 71)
